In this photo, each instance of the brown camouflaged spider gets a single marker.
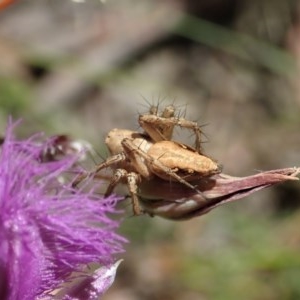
(138, 158)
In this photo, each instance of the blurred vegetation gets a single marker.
(82, 69)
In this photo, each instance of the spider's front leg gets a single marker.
(112, 160)
(154, 124)
(132, 183)
(160, 128)
(132, 180)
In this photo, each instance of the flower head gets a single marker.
(47, 229)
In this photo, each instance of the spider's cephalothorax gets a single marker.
(140, 157)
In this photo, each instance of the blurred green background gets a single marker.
(85, 68)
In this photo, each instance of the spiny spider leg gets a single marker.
(118, 175)
(132, 181)
(160, 128)
(160, 131)
(107, 163)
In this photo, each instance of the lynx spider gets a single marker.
(137, 157)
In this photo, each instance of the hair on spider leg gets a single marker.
(153, 104)
(160, 100)
(145, 100)
(151, 108)
(157, 102)
(202, 132)
(100, 155)
(84, 175)
(195, 128)
(95, 154)
(180, 113)
(201, 126)
(164, 111)
(179, 107)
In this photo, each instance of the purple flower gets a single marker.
(47, 229)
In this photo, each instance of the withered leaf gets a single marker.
(175, 201)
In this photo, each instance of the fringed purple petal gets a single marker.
(48, 229)
(91, 286)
